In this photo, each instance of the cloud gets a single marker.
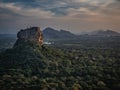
(28, 12)
(118, 0)
(15, 16)
(48, 4)
(48, 8)
(72, 14)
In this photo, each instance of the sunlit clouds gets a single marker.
(73, 15)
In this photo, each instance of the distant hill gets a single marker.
(7, 36)
(50, 33)
(104, 33)
(53, 34)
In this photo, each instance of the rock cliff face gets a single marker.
(30, 34)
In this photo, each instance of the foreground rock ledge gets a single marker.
(33, 34)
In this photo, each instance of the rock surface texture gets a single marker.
(30, 34)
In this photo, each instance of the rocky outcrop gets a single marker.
(30, 34)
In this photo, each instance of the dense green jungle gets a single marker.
(84, 63)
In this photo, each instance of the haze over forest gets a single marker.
(73, 15)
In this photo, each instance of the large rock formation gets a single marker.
(30, 34)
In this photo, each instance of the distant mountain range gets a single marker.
(50, 33)
(7, 36)
(104, 33)
(53, 34)
(56, 34)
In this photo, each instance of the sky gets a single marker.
(72, 15)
